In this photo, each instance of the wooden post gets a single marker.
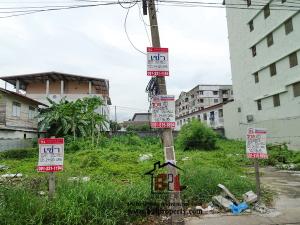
(51, 183)
(256, 166)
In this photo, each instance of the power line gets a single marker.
(144, 23)
(127, 35)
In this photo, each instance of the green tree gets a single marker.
(195, 135)
(78, 118)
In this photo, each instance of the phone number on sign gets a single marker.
(163, 124)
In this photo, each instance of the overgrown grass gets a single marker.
(117, 177)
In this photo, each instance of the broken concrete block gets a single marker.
(250, 197)
(228, 193)
(222, 202)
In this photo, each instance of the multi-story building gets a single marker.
(265, 51)
(203, 102)
(55, 85)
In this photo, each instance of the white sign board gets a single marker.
(157, 62)
(163, 111)
(256, 143)
(51, 154)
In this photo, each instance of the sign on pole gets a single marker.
(256, 149)
(51, 154)
(163, 111)
(256, 143)
(157, 62)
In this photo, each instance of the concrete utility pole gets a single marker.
(167, 136)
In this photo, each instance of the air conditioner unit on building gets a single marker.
(250, 118)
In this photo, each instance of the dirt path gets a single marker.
(286, 208)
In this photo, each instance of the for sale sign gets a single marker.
(157, 62)
(163, 111)
(256, 143)
(51, 154)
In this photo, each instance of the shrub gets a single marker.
(195, 135)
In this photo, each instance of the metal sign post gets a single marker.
(51, 158)
(256, 149)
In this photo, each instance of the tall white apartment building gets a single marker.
(264, 42)
(203, 102)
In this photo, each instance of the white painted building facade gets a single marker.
(204, 103)
(265, 56)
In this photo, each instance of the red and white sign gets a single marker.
(51, 154)
(163, 111)
(157, 62)
(256, 143)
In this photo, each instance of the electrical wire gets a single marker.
(176, 3)
(144, 23)
(127, 35)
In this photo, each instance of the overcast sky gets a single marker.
(92, 42)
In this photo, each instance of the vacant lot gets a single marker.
(117, 178)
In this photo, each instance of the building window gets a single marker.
(270, 40)
(259, 105)
(296, 88)
(224, 92)
(288, 25)
(276, 100)
(192, 96)
(204, 116)
(216, 100)
(186, 99)
(251, 25)
(239, 109)
(273, 69)
(31, 113)
(199, 118)
(16, 109)
(283, 1)
(256, 78)
(201, 100)
(248, 3)
(220, 113)
(267, 11)
(253, 51)
(200, 92)
(215, 92)
(293, 59)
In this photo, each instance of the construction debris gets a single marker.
(226, 193)
(145, 157)
(222, 202)
(3, 167)
(250, 197)
(12, 175)
(261, 208)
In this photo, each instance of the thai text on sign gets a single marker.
(51, 154)
(163, 111)
(157, 62)
(256, 143)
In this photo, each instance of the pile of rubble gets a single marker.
(226, 202)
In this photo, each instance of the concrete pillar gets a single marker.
(47, 87)
(62, 88)
(18, 86)
(90, 87)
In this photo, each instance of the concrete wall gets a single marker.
(23, 121)
(244, 65)
(15, 144)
